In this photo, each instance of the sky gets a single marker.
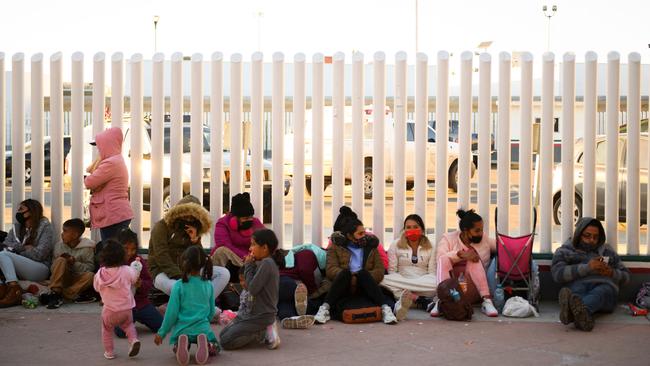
(308, 26)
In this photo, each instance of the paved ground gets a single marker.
(72, 335)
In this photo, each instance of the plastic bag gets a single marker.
(518, 307)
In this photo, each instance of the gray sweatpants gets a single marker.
(220, 278)
(15, 266)
(240, 333)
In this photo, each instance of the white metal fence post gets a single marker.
(379, 143)
(137, 130)
(526, 145)
(196, 129)
(546, 153)
(484, 138)
(399, 153)
(298, 184)
(358, 101)
(257, 132)
(338, 135)
(17, 130)
(503, 150)
(176, 130)
(98, 96)
(317, 104)
(464, 129)
(216, 137)
(3, 139)
(37, 129)
(442, 138)
(236, 97)
(568, 140)
(612, 162)
(117, 89)
(589, 148)
(632, 193)
(421, 135)
(277, 189)
(157, 138)
(75, 167)
(56, 140)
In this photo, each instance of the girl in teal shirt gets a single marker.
(190, 308)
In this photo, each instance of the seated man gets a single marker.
(72, 268)
(591, 271)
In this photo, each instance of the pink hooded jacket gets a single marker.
(114, 285)
(109, 183)
(235, 240)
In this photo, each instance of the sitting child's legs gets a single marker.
(240, 333)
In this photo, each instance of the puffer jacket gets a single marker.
(338, 257)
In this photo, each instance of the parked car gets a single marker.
(28, 158)
(601, 176)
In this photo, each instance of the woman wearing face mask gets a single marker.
(232, 234)
(412, 265)
(467, 251)
(30, 251)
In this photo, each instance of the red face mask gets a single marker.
(413, 234)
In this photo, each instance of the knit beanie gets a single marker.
(241, 205)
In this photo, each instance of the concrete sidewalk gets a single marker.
(71, 335)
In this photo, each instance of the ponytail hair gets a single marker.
(467, 219)
(194, 259)
(267, 237)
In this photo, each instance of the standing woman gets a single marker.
(30, 251)
(110, 210)
(468, 251)
(411, 263)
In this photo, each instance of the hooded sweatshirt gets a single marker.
(571, 262)
(83, 253)
(114, 285)
(109, 183)
(168, 239)
(42, 244)
(239, 241)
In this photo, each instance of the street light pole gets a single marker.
(549, 14)
(156, 18)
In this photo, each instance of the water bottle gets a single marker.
(499, 298)
(454, 294)
(462, 284)
(29, 301)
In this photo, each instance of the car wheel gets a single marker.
(453, 176)
(308, 185)
(28, 172)
(557, 210)
(367, 182)
(410, 185)
(167, 200)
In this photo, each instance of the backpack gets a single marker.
(643, 296)
(460, 310)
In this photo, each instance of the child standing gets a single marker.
(257, 320)
(72, 268)
(113, 281)
(144, 312)
(190, 309)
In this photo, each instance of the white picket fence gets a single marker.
(235, 112)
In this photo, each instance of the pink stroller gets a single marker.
(514, 270)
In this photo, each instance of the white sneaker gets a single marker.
(403, 305)
(488, 308)
(435, 312)
(272, 336)
(323, 315)
(387, 315)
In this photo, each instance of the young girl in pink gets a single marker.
(113, 281)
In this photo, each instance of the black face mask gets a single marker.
(20, 218)
(245, 225)
(476, 239)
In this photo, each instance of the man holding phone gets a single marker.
(591, 272)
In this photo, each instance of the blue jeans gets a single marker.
(112, 231)
(597, 297)
(148, 315)
(286, 303)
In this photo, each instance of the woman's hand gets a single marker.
(157, 340)
(192, 233)
(468, 255)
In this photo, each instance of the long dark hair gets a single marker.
(267, 237)
(467, 219)
(36, 214)
(194, 259)
(112, 254)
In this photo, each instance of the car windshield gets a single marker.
(186, 139)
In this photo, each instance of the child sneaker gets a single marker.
(323, 314)
(298, 322)
(109, 355)
(433, 309)
(387, 315)
(202, 351)
(300, 298)
(54, 301)
(134, 348)
(403, 305)
(272, 336)
(488, 308)
(182, 350)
